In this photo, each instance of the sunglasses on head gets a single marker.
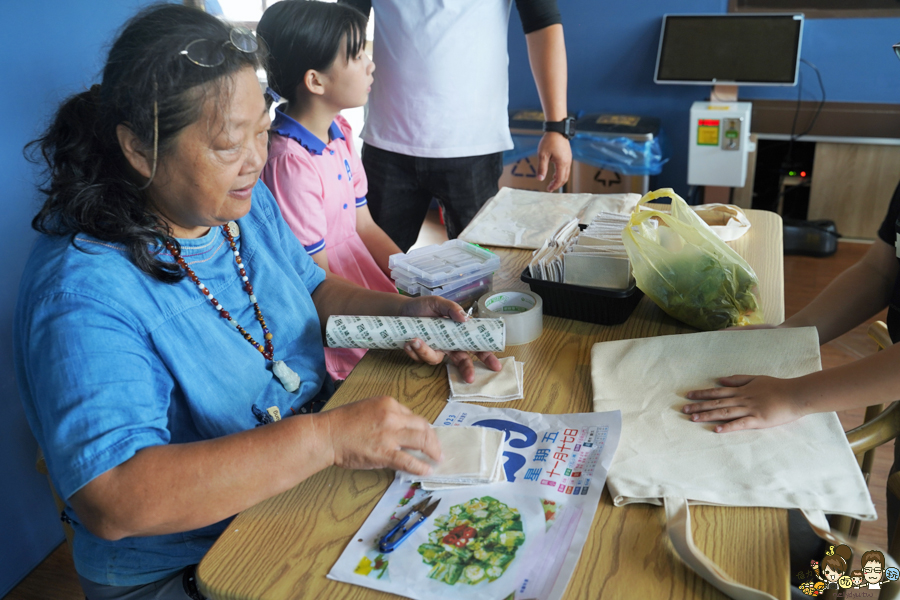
(208, 53)
(204, 53)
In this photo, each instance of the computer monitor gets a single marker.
(736, 49)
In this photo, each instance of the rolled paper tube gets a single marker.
(475, 335)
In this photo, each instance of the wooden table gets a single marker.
(282, 548)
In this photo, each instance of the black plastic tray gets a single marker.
(594, 305)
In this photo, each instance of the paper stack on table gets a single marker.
(489, 386)
(594, 257)
(546, 262)
(605, 231)
(597, 258)
(472, 456)
(524, 219)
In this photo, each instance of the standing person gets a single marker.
(863, 290)
(168, 331)
(857, 294)
(866, 288)
(437, 121)
(317, 63)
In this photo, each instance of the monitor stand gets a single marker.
(724, 93)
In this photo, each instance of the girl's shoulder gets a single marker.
(281, 146)
(289, 159)
(344, 126)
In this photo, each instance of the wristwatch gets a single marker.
(566, 127)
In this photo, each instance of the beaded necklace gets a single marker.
(285, 375)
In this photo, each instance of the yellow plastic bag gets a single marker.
(687, 270)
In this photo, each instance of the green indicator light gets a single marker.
(792, 173)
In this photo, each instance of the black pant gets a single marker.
(401, 188)
(181, 586)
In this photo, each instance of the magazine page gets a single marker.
(513, 540)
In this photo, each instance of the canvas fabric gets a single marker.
(665, 458)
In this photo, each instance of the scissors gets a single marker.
(400, 532)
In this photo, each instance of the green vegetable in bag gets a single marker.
(687, 270)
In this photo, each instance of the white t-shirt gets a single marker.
(441, 85)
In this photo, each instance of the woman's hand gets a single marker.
(419, 351)
(748, 402)
(372, 433)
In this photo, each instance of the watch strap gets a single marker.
(565, 127)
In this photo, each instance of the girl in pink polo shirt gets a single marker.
(318, 65)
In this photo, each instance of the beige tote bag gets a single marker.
(665, 458)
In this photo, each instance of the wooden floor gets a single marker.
(805, 277)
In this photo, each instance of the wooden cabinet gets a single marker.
(857, 157)
(852, 185)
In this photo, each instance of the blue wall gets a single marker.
(612, 46)
(57, 48)
(854, 57)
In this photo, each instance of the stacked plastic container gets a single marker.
(456, 270)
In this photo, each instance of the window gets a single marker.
(245, 12)
(821, 8)
(248, 12)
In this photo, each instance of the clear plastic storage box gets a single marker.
(456, 270)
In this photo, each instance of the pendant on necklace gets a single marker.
(286, 376)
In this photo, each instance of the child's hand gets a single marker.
(419, 351)
(748, 402)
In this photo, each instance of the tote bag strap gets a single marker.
(678, 526)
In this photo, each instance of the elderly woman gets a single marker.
(168, 312)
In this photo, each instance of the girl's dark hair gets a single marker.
(303, 34)
(89, 185)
